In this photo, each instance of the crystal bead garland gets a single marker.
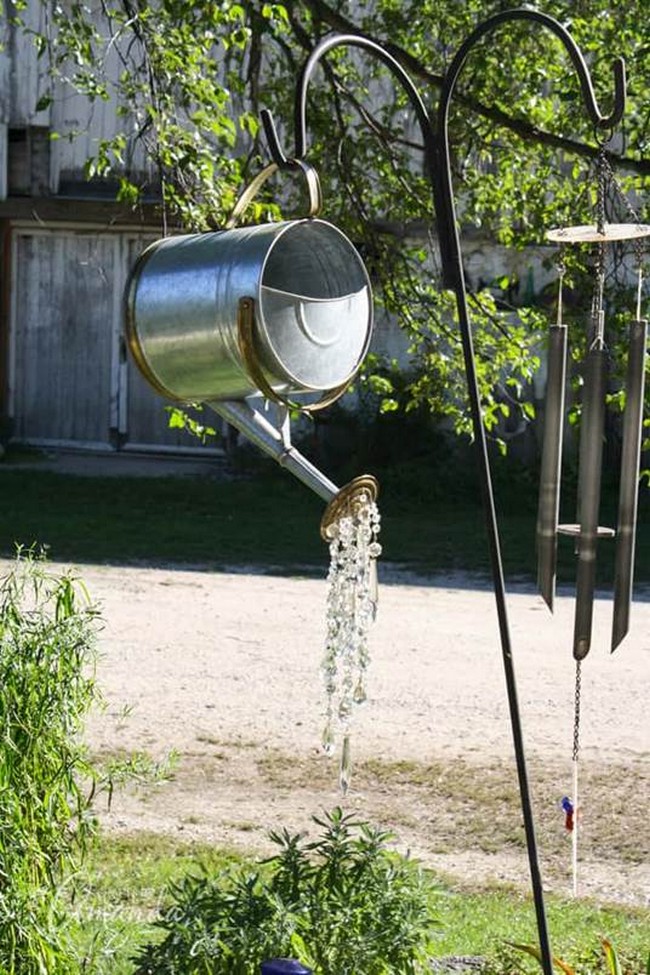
(351, 608)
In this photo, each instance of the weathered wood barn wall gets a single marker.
(65, 379)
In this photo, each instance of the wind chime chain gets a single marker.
(601, 188)
(575, 805)
(597, 336)
(609, 177)
(576, 711)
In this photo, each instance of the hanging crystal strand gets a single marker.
(330, 659)
(351, 608)
(347, 649)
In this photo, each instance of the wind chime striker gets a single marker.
(586, 531)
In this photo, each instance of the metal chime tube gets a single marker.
(549, 493)
(629, 484)
(591, 453)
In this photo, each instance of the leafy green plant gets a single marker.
(342, 903)
(47, 637)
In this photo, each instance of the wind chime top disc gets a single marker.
(590, 234)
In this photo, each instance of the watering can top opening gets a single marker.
(312, 311)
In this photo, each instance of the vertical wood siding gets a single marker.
(80, 125)
(70, 382)
(62, 312)
(26, 77)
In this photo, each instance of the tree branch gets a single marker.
(525, 130)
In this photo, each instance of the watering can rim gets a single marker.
(130, 331)
(282, 225)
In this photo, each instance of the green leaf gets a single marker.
(611, 957)
(536, 953)
(44, 102)
(176, 418)
(388, 406)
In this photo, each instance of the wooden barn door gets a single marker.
(63, 341)
(71, 381)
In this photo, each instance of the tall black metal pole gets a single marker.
(438, 165)
(454, 278)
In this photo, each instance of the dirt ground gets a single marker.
(223, 669)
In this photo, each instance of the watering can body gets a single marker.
(312, 311)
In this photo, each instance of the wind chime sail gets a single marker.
(587, 530)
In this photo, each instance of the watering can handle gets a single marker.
(253, 188)
(245, 327)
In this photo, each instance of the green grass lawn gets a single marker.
(272, 520)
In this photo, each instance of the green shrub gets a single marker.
(341, 904)
(47, 633)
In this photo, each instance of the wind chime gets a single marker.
(601, 236)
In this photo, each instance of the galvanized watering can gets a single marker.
(280, 310)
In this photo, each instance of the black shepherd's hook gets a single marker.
(300, 106)
(452, 267)
(438, 165)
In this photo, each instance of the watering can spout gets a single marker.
(276, 443)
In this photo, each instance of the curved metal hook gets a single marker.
(300, 107)
(449, 243)
(599, 120)
(437, 161)
(523, 13)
